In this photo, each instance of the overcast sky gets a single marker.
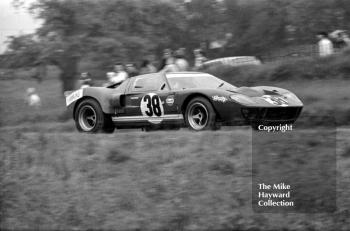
(14, 21)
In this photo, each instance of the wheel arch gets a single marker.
(76, 104)
(194, 95)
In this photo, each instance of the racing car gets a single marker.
(199, 101)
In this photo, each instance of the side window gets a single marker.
(148, 83)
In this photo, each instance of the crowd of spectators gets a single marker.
(177, 61)
(171, 61)
(329, 43)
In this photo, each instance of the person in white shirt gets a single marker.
(119, 74)
(167, 53)
(85, 80)
(180, 61)
(325, 45)
(199, 58)
(170, 66)
(32, 98)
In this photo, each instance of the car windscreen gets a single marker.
(118, 86)
(184, 81)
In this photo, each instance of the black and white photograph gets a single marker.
(193, 115)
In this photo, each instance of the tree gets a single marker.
(103, 31)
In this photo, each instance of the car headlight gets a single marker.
(242, 99)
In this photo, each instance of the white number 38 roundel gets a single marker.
(152, 107)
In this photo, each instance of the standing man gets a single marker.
(325, 46)
(199, 58)
(85, 80)
(147, 67)
(167, 54)
(131, 70)
(120, 75)
(170, 66)
(345, 38)
(181, 61)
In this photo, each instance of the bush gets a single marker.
(333, 67)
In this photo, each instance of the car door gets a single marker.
(149, 100)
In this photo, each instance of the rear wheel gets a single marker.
(200, 114)
(90, 118)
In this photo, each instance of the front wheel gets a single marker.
(200, 114)
(90, 118)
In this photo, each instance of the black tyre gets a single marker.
(90, 118)
(200, 115)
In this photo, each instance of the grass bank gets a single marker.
(145, 181)
(295, 69)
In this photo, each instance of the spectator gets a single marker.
(180, 61)
(167, 54)
(345, 38)
(170, 66)
(199, 58)
(340, 39)
(119, 75)
(32, 98)
(131, 70)
(147, 67)
(85, 80)
(325, 45)
(109, 76)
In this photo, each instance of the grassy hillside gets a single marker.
(294, 69)
(150, 181)
(14, 109)
(52, 177)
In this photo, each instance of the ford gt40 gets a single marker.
(199, 101)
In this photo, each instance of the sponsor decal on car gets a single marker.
(275, 100)
(152, 108)
(222, 99)
(170, 100)
(74, 96)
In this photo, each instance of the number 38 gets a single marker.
(153, 105)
